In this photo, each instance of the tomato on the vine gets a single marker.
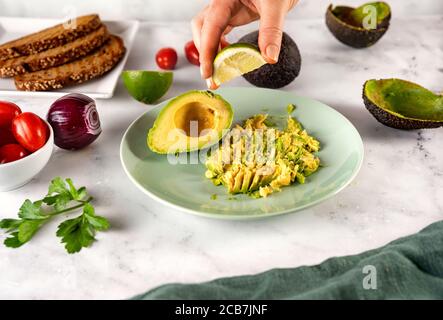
(12, 152)
(166, 58)
(8, 111)
(30, 131)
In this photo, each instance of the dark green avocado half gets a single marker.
(403, 105)
(277, 75)
(346, 24)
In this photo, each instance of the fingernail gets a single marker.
(201, 71)
(209, 83)
(272, 52)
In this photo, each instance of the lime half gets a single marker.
(236, 60)
(147, 86)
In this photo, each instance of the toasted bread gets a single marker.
(79, 71)
(56, 56)
(49, 38)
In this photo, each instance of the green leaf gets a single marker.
(77, 194)
(27, 230)
(72, 189)
(82, 193)
(59, 201)
(76, 234)
(68, 226)
(59, 195)
(62, 201)
(13, 241)
(57, 186)
(31, 211)
(49, 200)
(88, 209)
(10, 224)
(80, 232)
(99, 223)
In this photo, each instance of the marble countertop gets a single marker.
(398, 191)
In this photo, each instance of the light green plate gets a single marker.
(184, 187)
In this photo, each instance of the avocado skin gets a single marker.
(395, 122)
(277, 75)
(356, 38)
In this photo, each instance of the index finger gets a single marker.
(215, 23)
(196, 26)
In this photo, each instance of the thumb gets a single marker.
(272, 17)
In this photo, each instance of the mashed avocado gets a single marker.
(257, 159)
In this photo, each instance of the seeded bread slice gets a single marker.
(50, 38)
(55, 57)
(79, 71)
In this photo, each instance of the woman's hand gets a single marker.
(216, 20)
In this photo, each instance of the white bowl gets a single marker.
(17, 173)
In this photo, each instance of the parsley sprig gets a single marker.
(62, 197)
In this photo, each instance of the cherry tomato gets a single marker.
(8, 111)
(6, 136)
(30, 131)
(12, 152)
(192, 53)
(166, 58)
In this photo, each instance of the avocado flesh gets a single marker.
(192, 121)
(403, 105)
(253, 171)
(247, 179)
(280, 74)
(346, 24)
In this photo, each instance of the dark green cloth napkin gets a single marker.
(408, 268)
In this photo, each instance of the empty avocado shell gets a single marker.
(347, 24)
(403, 105)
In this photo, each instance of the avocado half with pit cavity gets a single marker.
(403, 105)
(276, 75)
(356, 27)
(192, 121)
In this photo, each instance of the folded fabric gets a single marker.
(408, 268)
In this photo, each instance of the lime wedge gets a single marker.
(236, 60)
(147, 86)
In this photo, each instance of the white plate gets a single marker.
(101, 88)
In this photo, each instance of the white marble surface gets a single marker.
(398, 191)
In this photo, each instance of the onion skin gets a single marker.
(75, 121)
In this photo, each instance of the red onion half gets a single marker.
(75, 121)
